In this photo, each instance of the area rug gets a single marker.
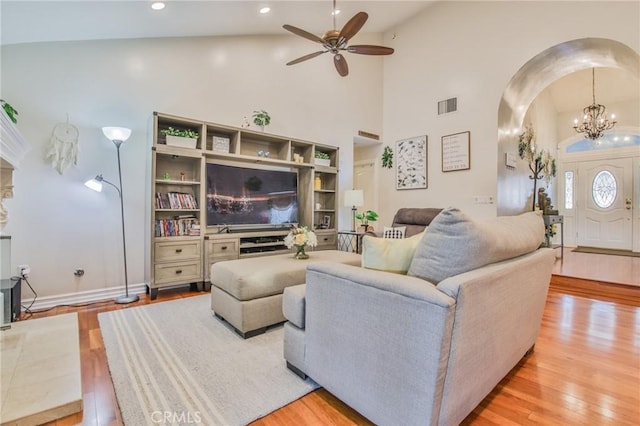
(596, 250)
(175, 363)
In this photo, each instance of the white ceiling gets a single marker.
(25, 21)
(574, 91)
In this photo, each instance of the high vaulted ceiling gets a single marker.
(26, 21)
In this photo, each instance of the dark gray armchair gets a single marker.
(415, 219)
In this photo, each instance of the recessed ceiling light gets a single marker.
(157, 5)
(336, 12)
(265, 10)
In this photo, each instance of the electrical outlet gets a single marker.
(483, 199)
(24, 271)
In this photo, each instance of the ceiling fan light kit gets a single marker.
(336, 42)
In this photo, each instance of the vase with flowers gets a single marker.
(300, 238)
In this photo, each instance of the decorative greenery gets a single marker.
(540, 162)
(261, 118)
(387, 157)
(11, 111)
(366, 217)
(183, 133)
(323, 155)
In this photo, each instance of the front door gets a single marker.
(605, 207)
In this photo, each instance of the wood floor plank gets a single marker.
(585, 369)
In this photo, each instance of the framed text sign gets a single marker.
(455, 152)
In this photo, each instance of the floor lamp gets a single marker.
(117, 135)
(353, 198)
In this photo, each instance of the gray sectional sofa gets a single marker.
(427, 347)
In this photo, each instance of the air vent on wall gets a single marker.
(448, 105)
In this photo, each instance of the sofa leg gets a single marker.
(297, 371)
(530, 351)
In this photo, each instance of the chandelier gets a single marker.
(594, 120)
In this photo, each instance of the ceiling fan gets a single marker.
(335, 41)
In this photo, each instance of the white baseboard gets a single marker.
(83, 296)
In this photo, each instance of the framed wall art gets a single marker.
(456, 152)
(411, 163)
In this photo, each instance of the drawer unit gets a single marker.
(327, 240)
(222, 249)
(177, 273)
(218, 250)
(173, 251)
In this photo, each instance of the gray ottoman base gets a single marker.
(248, 317)
(247, 293)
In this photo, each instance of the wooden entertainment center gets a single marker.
(182, 245)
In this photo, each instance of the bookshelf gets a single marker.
(181, 247)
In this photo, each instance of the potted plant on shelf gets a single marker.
(184, 138)
(261, 118)
(365, 218)
(322, 159)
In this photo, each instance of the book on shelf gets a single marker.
(177, 227)
(176, 201)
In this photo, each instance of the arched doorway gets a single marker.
(514, 191)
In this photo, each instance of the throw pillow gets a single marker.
(454, 243)
(397, 232)
(386, 254)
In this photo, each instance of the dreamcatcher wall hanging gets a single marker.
(62, 150)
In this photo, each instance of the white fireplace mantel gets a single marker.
(13, 148)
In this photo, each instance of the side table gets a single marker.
(554, 219)
(350, 241)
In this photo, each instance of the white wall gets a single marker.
(471, 50)
(58, 225)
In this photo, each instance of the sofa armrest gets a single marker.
(378, 341)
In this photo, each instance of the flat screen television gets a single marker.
(246, 197)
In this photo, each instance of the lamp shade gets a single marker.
(116, 133)
(94, 184)
(354, 197)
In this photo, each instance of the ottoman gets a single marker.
(247, 293)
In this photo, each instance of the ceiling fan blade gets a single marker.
(353, 26)
(303, 33)
(341, 64)
(368, 49)
(305, 57)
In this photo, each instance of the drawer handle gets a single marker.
(179, 271)
(326, 239)
(223, 247)
(178, 250)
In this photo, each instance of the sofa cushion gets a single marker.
(454, 243)
(389, 254)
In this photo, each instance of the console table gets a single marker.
(554, 219)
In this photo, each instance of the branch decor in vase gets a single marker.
(541, 162)
(184, 138)
(300, 238)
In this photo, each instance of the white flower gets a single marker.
(300, 237)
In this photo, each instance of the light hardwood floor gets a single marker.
(585, 369)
